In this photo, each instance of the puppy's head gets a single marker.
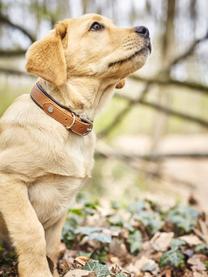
(90, 45)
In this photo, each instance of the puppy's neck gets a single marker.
(86, 96)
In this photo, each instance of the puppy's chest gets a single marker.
(51, 196)
(67, 170)
(73, 158)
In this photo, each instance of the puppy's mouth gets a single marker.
(137, 53)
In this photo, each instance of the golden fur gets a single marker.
(42, 165)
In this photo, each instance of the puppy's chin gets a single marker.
(126, 67)
(138, 61)
(123, 66)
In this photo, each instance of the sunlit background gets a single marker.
(152, 138)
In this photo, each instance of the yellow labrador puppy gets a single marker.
(46, 138)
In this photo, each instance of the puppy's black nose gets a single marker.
(142, 31)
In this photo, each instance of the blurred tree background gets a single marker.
(152, 138)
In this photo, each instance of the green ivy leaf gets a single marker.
(151, 220)
(1, 248)
(120, 275)
(68, 232)
(135, 241)
(87, 230)
(184, 218)
(71, 223)
(101, 237)
(206, 264)
(177, 243)
(172, 258)
(115, 205)
(94, 233)
(101, 255)
(116, 220)
(202, 249)
(136, 207)
(100, 270)
(77, 211)
(83, 253)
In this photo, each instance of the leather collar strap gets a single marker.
(60, 113)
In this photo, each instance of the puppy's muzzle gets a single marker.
(142, 31)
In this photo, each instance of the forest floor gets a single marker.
(176, 178)
(141, 239)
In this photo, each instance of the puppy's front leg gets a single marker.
(25, 230)
(53, 240)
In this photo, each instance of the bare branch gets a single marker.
(122, 114)
(132, 102)
(188, 51)
(16, 72)
(7, 21)
(167, 110)
(195, 87)
(162, 176)
(12, 53)
(172, 112)
(117, 120)
(150, 157)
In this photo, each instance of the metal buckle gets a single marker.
(74, 118)
(89, 129)
(88, 121)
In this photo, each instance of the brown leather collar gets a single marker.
(60, 113)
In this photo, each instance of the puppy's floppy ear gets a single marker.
(121, 84)
(45, 58)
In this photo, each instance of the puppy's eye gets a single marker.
(96, 26)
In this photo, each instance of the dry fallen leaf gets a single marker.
(133, 269)
(196, 263)
(147, 274)
(147, 265)
(114, 259)
(161, 241)
(191, 240)
(118, 248)
(199, 274)
(81, 260)
(167, 273)
(80, 273)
